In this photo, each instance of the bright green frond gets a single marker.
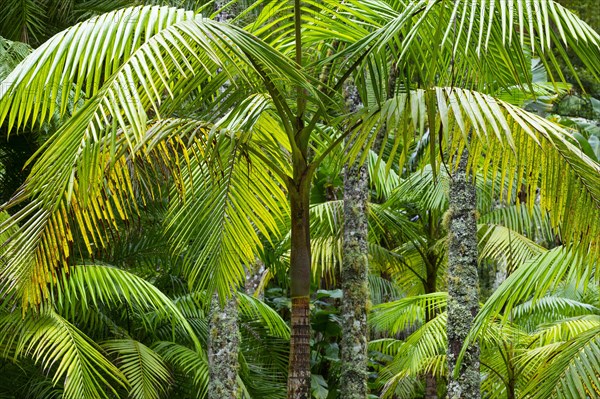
(61, 349)
(192, 365)
(573, 371)
(501, 244)
(406, 313)
(146, 373)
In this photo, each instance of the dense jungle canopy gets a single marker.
(299, 199)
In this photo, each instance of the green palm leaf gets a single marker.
(573, 370)
(192, 364)
(62, 350)
(144, 369)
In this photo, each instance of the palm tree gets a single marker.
(142, 65)
(519, 353)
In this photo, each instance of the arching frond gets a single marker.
(145, 371)
(504, 245)
(423, 351)
(506, 143)
(532, 280)
(192, 365)
(533, 314)
(254, 308)
(87, 285)
(573, 371)
(61, 349)
(409, 312)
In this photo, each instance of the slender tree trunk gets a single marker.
(223, 348)
(353, 379)
(254, 274)
(463, 284)
(431, 287)
(300, 274)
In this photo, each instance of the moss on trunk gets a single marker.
(463, 284)
(223, 349)
(353, 381)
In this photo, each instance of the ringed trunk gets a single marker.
(463, 284)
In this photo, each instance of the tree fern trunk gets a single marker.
(353, 380)
(463, 300)
(223, 349)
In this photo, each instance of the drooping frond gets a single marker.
(493, 37)
(409, 312)
(504, 245)
(573, 370)
(327, 229)
(218, 227)
(508, 144)
(60, 348)
(192, 365)
(534, 224)
(146, 373)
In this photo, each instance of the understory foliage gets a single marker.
(151, 157)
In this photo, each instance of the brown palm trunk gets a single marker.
(463, 284)
(431, 287)
(300, 273)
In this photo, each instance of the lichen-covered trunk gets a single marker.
(353, 378)
(225, 14)
(300, 274)
(223, 349)
(254, 273)
(463, 284)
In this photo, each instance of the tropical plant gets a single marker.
(150, 80)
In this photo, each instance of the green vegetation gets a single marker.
(259, 199)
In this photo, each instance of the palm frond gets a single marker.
(217, 229)
(410, 312)
(145, 371)
(534, 224)
(256, 309)
(504, 245)
(508, 142)
(573, 371)
(531, 281)
(423, 351)
(61, 349)
(85, 286)
(193, 365)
